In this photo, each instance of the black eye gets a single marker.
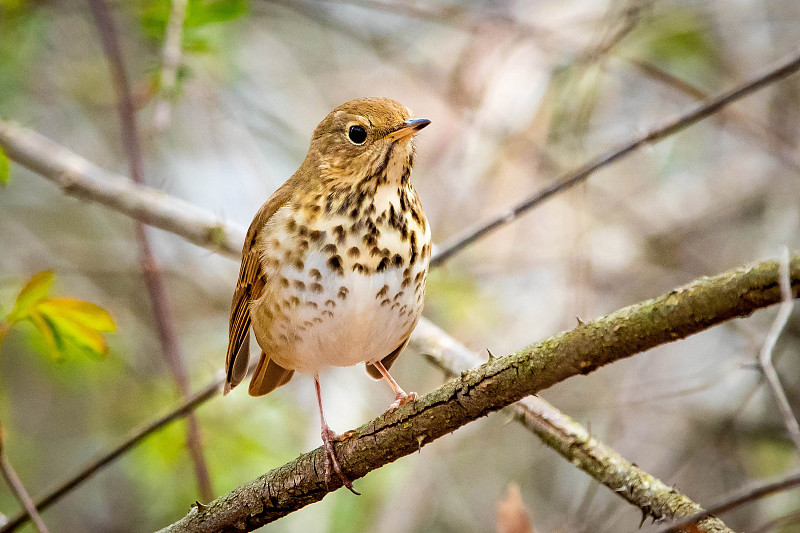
(357, 134)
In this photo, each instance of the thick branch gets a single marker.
(492, 386)
(572, 441)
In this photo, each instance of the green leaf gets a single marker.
(84, 313)
(72, 328)
(4, 167)
(31, 294)
(54, 342)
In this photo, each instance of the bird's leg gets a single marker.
(400, 397)
(328, 436)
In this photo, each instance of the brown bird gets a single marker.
(334, 263)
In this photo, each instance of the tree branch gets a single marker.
(18, 489)
(765, 356)
(171, 54)
(82, 179)
(156, 289)
(182, 410)
(574, 177)
(573, 442)
(740, 497)
(492, 386)
(32, 149)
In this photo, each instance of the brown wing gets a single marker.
(268, 376)
(386, 361)
(248, 288)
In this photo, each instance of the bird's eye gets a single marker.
(357, 134)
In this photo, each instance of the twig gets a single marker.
(185, 408)
(765, 356)
(740, 497)
(165, 324)
(565, 181)
(785, 520)
(18, 489)
(492, 386)
(750, 126)
(572, 441)
(170, 63)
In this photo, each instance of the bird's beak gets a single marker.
(409, 127)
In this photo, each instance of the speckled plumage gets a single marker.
(335, 262)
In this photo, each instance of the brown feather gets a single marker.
(268, 376)
(248, 288)
(386, 361)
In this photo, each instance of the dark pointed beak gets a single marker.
(409, 127)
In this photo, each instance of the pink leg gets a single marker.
(400, 397)
(328, 436)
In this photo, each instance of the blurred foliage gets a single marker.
(540, 87)
(4, 168)
(682, 42)
(200, 14)
(68, 326)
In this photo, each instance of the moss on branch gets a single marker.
(499, 382)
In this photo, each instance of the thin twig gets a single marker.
(18, 489)
(169, 64)
(184, 409)
(782, 521)
(739, 498)
(765, 356)
(164, 322)
(780, 70)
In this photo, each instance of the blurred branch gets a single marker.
(499, 382)
(164, 322)
(765, 356)
(78, 177)
(169, 66)
(18, 489)
(82, 179)
(780, 522)
(572, 441)
(750, 126)
(740, 497)
(184, 409)
(574, 177)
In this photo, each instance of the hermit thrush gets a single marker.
(334, 263)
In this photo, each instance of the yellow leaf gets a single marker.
(86, 339)
(45, 328)
(84, 313)
(33, 292)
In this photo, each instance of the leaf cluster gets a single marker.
(68, 326)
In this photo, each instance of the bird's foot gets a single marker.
(403, 398)
(331, 461)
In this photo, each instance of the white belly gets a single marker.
(354, 318)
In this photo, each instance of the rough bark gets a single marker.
(492, 386)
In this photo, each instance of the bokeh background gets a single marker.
(518, 93)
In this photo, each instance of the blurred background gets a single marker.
(518, 92)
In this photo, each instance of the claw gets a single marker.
(328, 437)
(402, 398)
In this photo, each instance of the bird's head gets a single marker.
(365, 138)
